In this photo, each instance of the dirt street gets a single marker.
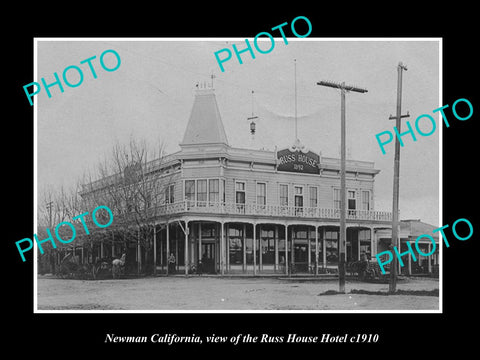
(217, 293)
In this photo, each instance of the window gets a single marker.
(366, 200)
(267, 238)
(365, 244)
(298, 200)
(213, 191)
(240, 193)
(190, 191)
(223, 190)
(201, 192)
(209, 231)
(240, 196)
(336, 199)
(351, 202)
(331, 246)
(261, 194)
(313, 196)
(170, 194)
(283, 195)
(235, 246)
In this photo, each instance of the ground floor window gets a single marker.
(235, 246)
(281, 251)
(364, 237)
(313, 248)
(267, 238)
(331, 246)
(300, 255)
(249, 250)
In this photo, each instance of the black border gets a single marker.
(402, 333)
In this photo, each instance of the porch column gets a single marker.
(227, 252)
(309, 249)
(200, 255)
(161, 249)
(324, 248)
(192, 246)
(185, 257)
(176, 247)
(429, 258)
(222, 250)
(168, 243)
(254, 249)
(292, 250)
(373, 248)
(275, 240)
(316, 250)
(260, 248)
(101, 249)
(286, 249)
(244, 245)
(154, 249)
(409, 264)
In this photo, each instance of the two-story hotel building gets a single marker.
(250, 211)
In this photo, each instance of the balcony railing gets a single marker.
(268, 210)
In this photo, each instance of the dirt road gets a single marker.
(217, 293)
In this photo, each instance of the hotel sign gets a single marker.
(298, 161)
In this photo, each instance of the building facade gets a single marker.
(232, 210)
(410, 230)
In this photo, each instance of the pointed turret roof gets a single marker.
(205, 125)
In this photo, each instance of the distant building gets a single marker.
(409, 231)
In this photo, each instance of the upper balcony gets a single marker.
(221, 208)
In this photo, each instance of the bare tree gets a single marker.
(131, 184)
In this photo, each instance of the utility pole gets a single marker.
(343, 228)
(396, 180)
(295, 76)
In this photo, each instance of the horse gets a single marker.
(117, 264)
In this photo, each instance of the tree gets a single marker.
(132, 185)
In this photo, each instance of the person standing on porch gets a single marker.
(171, 264)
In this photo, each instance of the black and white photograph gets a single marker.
(225, 187)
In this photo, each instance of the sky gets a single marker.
(151, 94)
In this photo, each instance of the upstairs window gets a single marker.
(170, 194)
(283, 195)
(313, 196)
(213, 191)
(365, 200)
(201, 192)
(261, 194)
(190, 190)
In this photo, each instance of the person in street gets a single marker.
(362, 266)
(171, 264)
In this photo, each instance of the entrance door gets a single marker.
(301, 256)
(208, 258)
